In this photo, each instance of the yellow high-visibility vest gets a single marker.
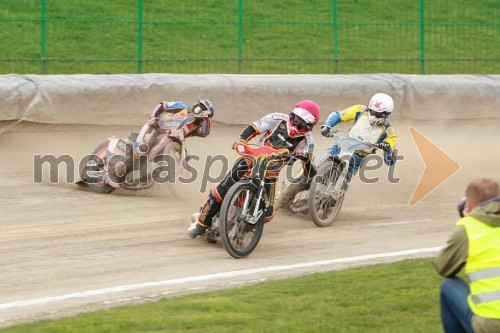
(483, 267)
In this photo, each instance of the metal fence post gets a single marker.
(422, 37)
(139, 38)
(240, 34)
(42, 36)
(335, 37)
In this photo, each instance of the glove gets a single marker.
(325, 131)
(240, 140)
(384, 146)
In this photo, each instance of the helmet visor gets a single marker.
(376, 114)
(300, 123)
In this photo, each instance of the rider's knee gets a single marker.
(215, 196)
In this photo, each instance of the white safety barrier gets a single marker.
(240, 99)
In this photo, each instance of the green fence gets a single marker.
(250, 36)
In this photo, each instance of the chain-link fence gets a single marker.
(258, 36)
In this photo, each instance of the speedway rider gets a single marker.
(203, 110)
(371, 124)
(277, 130)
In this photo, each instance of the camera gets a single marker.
(461, 207)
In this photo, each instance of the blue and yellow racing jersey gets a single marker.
(363, 129)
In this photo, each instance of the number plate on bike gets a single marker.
(172, 122)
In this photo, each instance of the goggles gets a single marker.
(300, 123)
(378, 114)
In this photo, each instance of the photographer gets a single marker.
(473, 306)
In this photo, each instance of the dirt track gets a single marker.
(59, 239)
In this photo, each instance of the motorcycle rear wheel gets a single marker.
(239, 237)
(321, 207)
(92, 183)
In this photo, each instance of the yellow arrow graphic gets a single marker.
(438, 166)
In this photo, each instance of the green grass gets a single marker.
(261, 36)
(400, 297)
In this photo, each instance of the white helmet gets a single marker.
(380, 108)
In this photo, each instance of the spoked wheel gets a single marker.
(238, 236)
(96, 165)
(322, 207)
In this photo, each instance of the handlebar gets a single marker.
(378, 146)
(333, 134)
(255, 151)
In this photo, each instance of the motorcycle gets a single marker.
(240, 222)
(322, 198)
(137, 161)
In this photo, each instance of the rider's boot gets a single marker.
(203, 219)
(196, 229)
(300, 207)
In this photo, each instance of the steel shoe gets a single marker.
(195, 230)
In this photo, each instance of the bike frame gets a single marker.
(348, 145)
(259, 160)
(171, 127)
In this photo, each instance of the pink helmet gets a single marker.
(304, 116)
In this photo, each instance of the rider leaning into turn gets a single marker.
(278, 131)
(203, 110)
(371, 124)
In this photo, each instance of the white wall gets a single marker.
(240, 99)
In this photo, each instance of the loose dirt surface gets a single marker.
(66, 250)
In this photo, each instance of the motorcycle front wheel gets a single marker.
(174, 150)
(322, 207)
(238, 236)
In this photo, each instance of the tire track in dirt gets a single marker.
(58, 239)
